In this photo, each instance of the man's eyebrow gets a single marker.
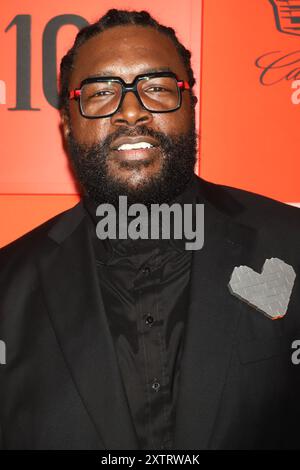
(111, 73)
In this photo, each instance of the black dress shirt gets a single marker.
(145, 289)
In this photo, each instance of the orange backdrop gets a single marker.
(246, 63)
(250, 96)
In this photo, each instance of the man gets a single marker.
(142, 344)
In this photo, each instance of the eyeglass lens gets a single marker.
(156, 94)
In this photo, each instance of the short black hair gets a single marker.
(112, 18)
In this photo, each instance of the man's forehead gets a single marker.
(144, 70)
(127, 52)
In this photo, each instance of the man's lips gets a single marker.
(135, 148)
(135, 154)
(133, 141)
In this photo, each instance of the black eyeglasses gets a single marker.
(159, 92)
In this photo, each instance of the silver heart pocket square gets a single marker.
(268, 292)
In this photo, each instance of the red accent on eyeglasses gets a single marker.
(184, 85)
(74, 94)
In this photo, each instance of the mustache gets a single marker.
(123, 131)
(136, 132)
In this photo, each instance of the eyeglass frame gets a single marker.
(76, 93)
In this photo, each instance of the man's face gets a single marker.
(149, 175)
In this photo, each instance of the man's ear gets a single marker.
(194, 100)
(65, 124)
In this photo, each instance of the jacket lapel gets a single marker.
(212, 322)
(69, 279)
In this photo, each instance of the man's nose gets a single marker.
(131, 112)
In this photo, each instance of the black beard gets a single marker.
(179, 158)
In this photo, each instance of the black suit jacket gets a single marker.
(61, 387)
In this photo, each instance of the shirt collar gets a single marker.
(106, 249)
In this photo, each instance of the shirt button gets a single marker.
(156, 385)
(146, 270)
(149, 320)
